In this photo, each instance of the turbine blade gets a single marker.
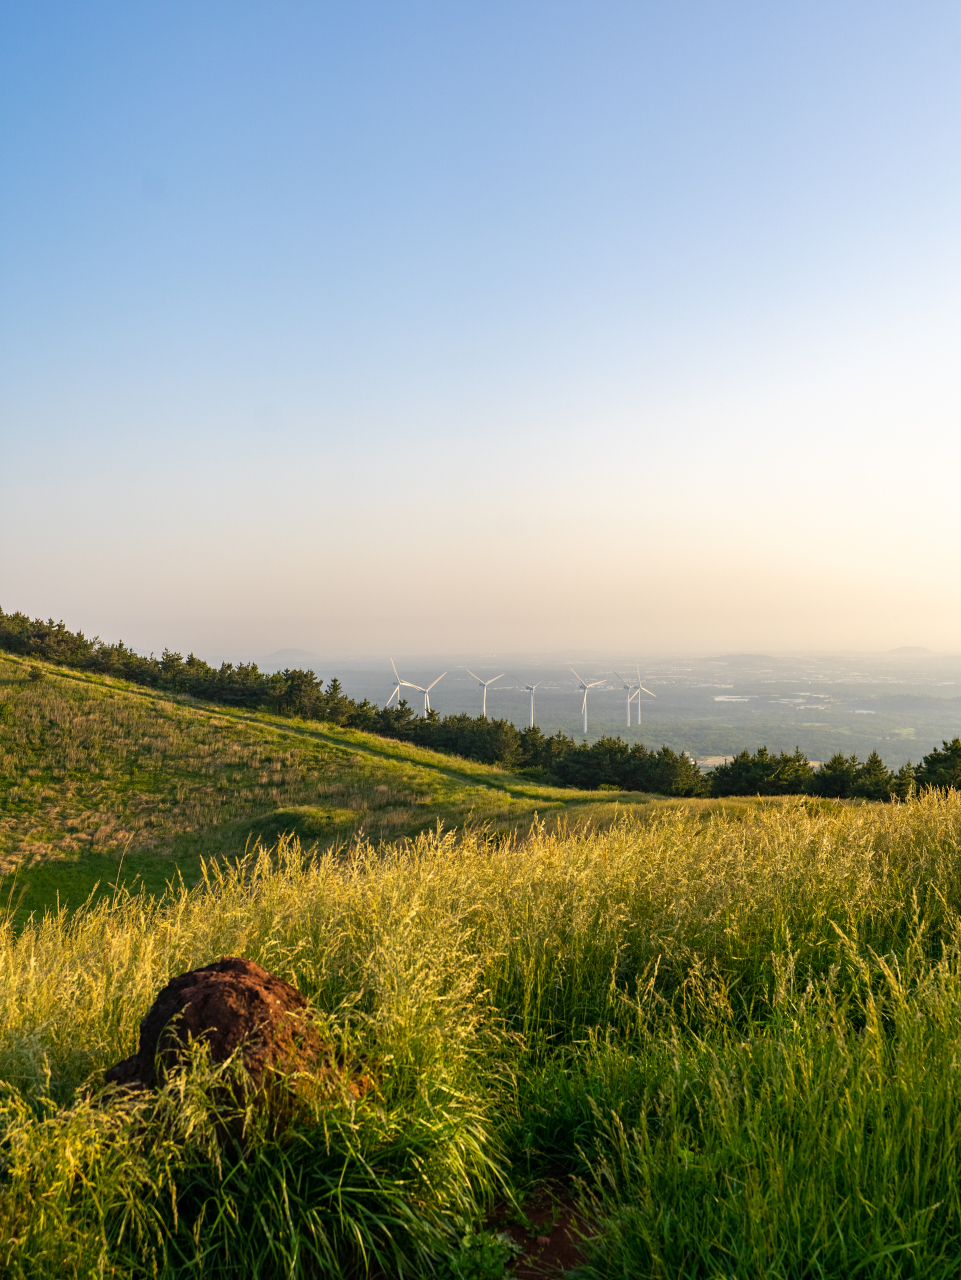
(395, 669)
(579, 678)
(653, 695)
(437, 681)
(470, 673)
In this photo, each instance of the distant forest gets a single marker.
(607, 764)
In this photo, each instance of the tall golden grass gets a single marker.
(738, 1030)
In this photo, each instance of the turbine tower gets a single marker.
(640, 690)
(585, 686)
(530, 689)
(483, 684)
(632, 693)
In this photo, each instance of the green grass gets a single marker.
(94, 769)
(737, 1036)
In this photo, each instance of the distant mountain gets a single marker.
(281, 658)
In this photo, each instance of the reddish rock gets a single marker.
(231, 1004)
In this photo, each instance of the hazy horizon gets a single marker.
(524, 328)
(901, 704)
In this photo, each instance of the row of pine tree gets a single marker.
(609, 763)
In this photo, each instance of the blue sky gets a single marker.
(505, 326)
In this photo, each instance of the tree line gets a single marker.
(607, 764)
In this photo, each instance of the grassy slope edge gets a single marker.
(93, 769)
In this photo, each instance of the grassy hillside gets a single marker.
(725, 1035)
(93, 768)
(733, 1041)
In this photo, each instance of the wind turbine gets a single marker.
(530, 689)
(640, 690)
(397, 686)
(585, 686)
(632, 693)
(426, 692)
(483, 684)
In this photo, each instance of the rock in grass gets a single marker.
(231, 1005)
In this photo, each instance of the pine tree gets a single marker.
(873, 780)
(836, 778)
(941, 767)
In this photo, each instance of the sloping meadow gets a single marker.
(735, 1035)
